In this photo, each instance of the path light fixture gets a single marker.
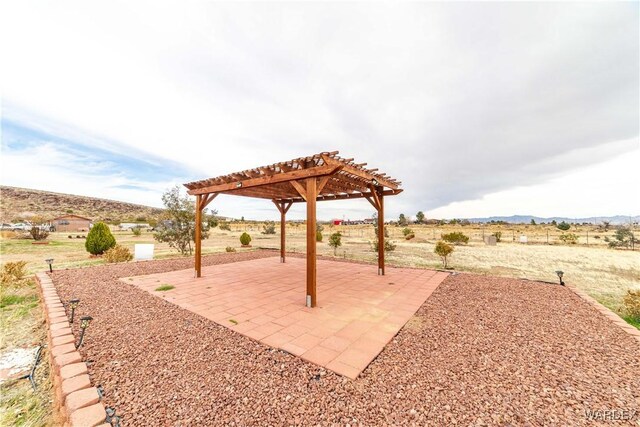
(560, 273)
(374, 182)
(73, 304)
(50, 262)
(238, 184)
(84, 324)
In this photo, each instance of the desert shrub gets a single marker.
(568, 238)
(631, 304)
(456, 238)
(99, 239)
(498, 236)
(563, 226)
(335, 240)
(118, 253)
(443, 250)
(245, 239)
(224, 226)
(137, 231)
(406, 231)
(38, 233)
(13, 272)
(230, 249)
(269, 227)
(318, 236)
(70, 236)
(624, 238)
(389, 246)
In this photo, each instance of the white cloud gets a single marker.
(456, 100)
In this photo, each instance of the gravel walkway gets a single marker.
(481, 350)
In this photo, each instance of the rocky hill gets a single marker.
(17, 204)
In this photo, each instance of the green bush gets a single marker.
(456, 238)
(269, 227)
(38, 233)
(443, 250)
(118, 253)
(230, 249)
(406, 231)
(568, 238)
(498, 236)
(245, 239)
(137, 231)
(318, 236)
(13, 272)
(563, 226)
(335, 240)
(99, 239)
(389, 246)
(224, 226)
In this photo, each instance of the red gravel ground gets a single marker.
(481, 350)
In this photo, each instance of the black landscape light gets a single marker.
(50, 262)
(73, 304)
(560, 273)
(84, 324)
(374, 182)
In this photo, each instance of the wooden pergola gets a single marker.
(323, 176)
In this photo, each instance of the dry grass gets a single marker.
(22, 326)
(604, 273)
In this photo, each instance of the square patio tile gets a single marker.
(358, 311)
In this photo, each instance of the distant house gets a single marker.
(71, 223)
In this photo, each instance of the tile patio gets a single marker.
(358, 311)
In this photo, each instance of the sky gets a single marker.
(479, 109)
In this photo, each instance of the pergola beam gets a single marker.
(266, 180)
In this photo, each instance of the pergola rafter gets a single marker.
(321, 177)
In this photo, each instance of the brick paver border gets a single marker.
(76, 402)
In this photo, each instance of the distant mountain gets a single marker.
(22, 204)
(526, 219)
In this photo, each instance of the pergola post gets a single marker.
(380, 233)
(311, 193)
(282, 234)
(283, 207)
(198, 236)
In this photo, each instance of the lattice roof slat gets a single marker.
(347, 179)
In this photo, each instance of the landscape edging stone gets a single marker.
(61, 355)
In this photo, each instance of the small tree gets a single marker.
(269, 227)
(99, 239)
(443, 250)
(420, 217)
(179, 231)
(335, 240)
(563, 226)
(498, 236)
(137, 231)
(389, 246)
(245, 239)
(318, 236)
(402, 220)
(624, 238)
(533, 221)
